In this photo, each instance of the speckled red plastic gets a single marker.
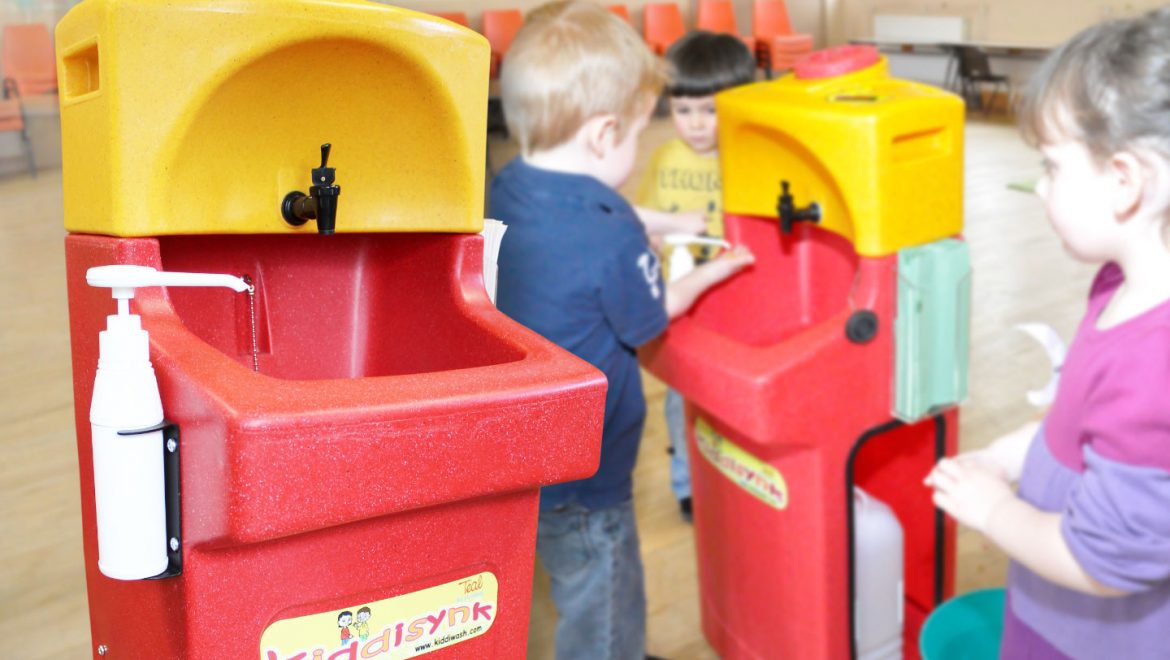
(764, 360)
(395, 437)
(836, 61)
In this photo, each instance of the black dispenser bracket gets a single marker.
(170, 439)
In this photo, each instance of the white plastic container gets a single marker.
(128, 474)
(879, 570)
(128, 469)
(682, 261)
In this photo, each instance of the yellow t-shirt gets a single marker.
(678, 179)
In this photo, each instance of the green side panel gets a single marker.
(932, 331)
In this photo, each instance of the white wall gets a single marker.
(34, 11)
(1025, 22)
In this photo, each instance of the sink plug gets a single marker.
(321, 202)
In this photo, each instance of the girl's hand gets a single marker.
(1011, 450)
(969, 489)
(986, 459)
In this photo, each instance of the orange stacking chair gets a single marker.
(778, 47)
(621, 11)
(662, 25)
(719, 16)
(12, 120)
(28, 58)
(457, 17)
(500, 27)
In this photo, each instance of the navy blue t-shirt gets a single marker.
(576, 267)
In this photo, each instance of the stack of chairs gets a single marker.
(30, 69)
(662, 25)
(719, 16)
(777, 46)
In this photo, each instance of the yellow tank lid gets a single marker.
(198, 117)
(881, 157)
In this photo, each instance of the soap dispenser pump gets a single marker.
(128, 474)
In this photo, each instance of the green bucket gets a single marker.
(968, 627)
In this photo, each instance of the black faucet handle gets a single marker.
(784, 208)
(788, 212)
(324, 175)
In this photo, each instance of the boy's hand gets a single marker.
(660, 223)
(729, 263)
(969, 489)
(689, 222)
(682, 293)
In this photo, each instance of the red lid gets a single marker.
(838, 61)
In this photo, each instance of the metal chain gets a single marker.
(252, 313)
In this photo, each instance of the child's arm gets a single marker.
(660, 223)
(981, 498)
(683, 292)
(1006, 455)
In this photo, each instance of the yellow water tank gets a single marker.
(881, 157)
(198, 117)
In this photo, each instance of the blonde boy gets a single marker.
(578, 87)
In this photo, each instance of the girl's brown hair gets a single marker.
(1108, 87)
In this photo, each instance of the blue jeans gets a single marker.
(595, 564)
(676, 426)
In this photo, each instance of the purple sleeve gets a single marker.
(1117, 523)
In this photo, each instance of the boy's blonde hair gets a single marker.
(572, 61)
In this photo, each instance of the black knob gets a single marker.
(861, 327)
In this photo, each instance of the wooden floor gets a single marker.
(1021, 275)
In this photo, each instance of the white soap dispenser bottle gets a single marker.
(128, 479)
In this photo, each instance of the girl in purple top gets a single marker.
(1089, 530)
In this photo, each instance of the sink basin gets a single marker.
(798, 281)
(384, 370)
(350, 306)
(766, 352)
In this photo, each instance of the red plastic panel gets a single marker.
(890, 467)
(304, 490)
(773, 385)
(765, 361)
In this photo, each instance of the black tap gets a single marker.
(321, 202)
(790, 215)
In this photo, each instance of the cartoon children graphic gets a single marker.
(343, 621)
(363, 625)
